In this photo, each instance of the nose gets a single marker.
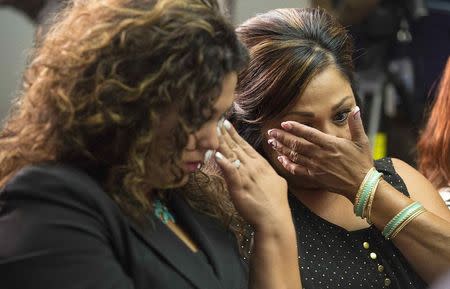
(207, 137)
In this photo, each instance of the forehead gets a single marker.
(325, 90)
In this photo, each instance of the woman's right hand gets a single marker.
(257, 191)
(337, 163)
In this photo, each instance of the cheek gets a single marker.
(345, 132)
(191, 142)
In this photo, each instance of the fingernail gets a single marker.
(272, 142)
(219, 133)
(220, 122)
(286, 125)
(227, 124)
(280, 159)
(219, 156)
(272, 132)
(208, 155)
(356, 113)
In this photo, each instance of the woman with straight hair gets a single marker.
(359, 223)
(100, 158)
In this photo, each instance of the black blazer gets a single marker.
(59, 230)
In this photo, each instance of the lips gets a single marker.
(193, 166)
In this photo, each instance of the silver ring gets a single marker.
(236, 163)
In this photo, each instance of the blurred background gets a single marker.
(402, 46)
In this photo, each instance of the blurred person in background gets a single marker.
(40, 12)
(433, 147)
(395, 67)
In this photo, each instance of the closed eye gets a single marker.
(341, 117)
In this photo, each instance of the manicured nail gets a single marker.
(356, 112)
(219, 156)
(220, 122)
(272, 132)
(272, 142)
(280, 159)
(227, 124)
(208, 155)
(219, 133)
(286, 125)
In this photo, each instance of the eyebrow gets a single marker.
(311, 114)
(340, 103)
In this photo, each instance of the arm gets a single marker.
(53, 240)
(274, 259)
(427, 237)
(340, 166)
(260, 196)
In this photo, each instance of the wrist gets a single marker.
(279, 228)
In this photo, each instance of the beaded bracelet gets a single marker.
(396, 223)
(365, 192)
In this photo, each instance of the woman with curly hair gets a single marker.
(434, 143)
(100, 158)
(360, 223)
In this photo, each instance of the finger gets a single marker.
(232, 145)
(291, 167)
(225, 148)
(230, 173)
(237, 139)
(290, 143)
(299, 170)
(356, 126)
(309, 133)
(292, 155)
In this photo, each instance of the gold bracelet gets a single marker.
(361, 186)
(406, 222)
(368, 209)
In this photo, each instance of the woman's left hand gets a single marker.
(339, 164)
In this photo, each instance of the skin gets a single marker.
(335, 158)
(325, 105)
(258, 193)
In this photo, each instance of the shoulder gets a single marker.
(55, 182)
(60, 189)
(56, 214)
(421, 189)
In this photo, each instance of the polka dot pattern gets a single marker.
(332, 257)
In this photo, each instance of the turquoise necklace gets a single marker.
(162, 212)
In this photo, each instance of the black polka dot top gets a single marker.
(332, 257)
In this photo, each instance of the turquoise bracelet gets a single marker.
(367, 189)
(403, 215)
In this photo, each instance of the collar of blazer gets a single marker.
(209, 236)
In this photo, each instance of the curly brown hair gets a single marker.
(101, 83)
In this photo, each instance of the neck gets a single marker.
(316, 197)
(305, 192)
